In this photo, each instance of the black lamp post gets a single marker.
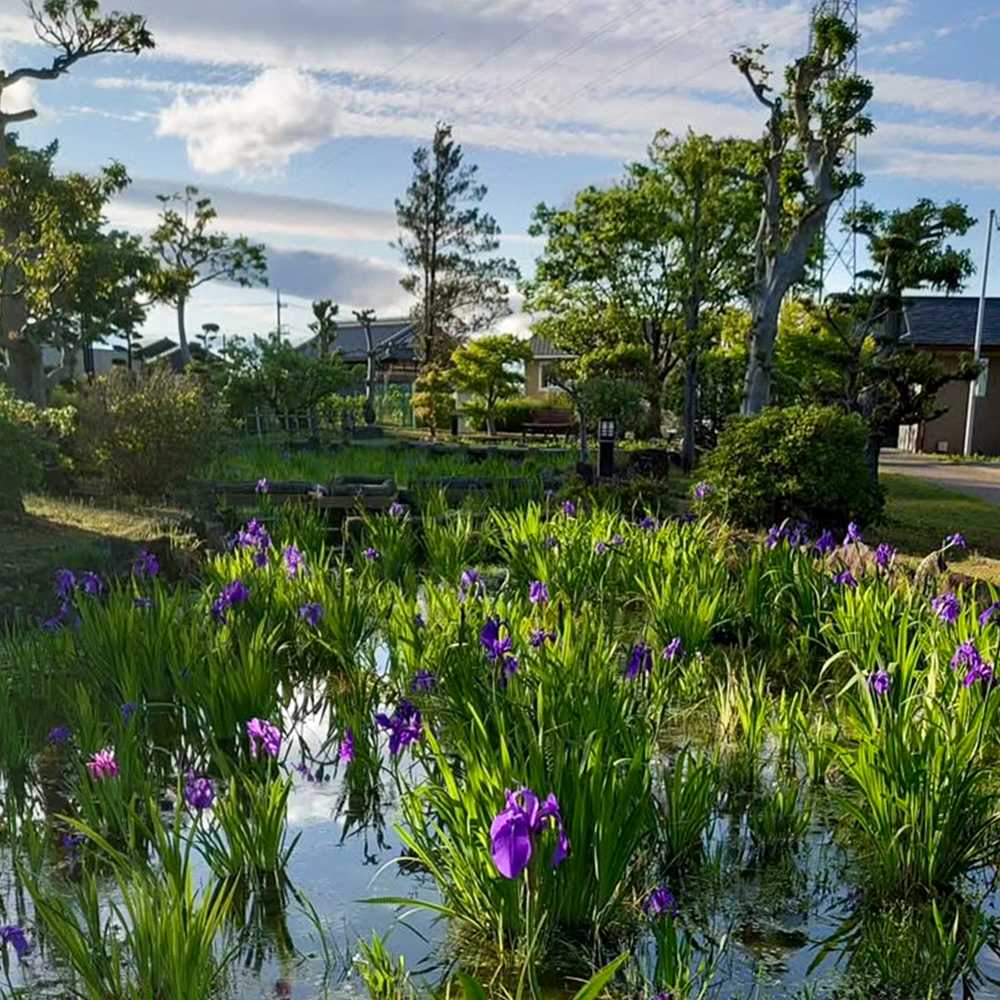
(606, 434)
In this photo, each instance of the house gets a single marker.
(946, 329)
(394, 342)
(163, 349)
(73, 364)
(544, 355)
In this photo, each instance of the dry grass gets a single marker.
(78, 534)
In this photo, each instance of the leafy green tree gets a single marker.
(324, 325)
(449, 246)
(67, 281)
(73, 30)
(485, 368)
(641, 263)
(190, 254)
(848, 351)
(811, 126)
(434, 397)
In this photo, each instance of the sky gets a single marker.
(299, 118)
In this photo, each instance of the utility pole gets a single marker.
(977, 350)
(277, 301)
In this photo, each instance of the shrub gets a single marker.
(806, 463)
(433, 399)
(146, 432)
(28, 439)
(511, 414)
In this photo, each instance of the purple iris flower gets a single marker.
(568, 508)
(879, 682)
(312, 613)
(514, 830)
(703, 490)
(146, 564)
(846, 579)
(674, 650)
(826, 543)
(255, 536)
(295, 562)
(885, 555)
(371, 554)
(498, 650)
(775, 536)
(540, 637)
(956, 541)
(56, 622)
(640, 660)
(404, 726)
(396, 509)
(199, 793)
(798, 535)
(538, 592)
(659, 903)
(967, 655)
(263, 734)
(65, 582)
(234, 592)
(423, 680)
(13, 934)
(470, 585)
(143, 603)
(263, 487)
(649, 523)
(59, 734)
(600, 548)
(853, 534)
(985, 617)
(91, 583)
(71, 842)
(947, 607)
(418, 620)
(346, 752)
(128, 710)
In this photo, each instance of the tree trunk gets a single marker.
(25, 371)
(690, 411)
(654, 415)
(370, 381)
(182, 333)
(873, 450)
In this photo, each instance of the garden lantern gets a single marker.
(606, 433)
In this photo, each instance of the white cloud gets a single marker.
(968, 168)
(936, 95)
(259, 215)
(943, 32)
(883, 18)
(914, 45)
(253, 129)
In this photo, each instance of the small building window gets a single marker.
(545, 376)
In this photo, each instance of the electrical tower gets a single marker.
(840, 248)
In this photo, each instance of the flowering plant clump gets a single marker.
(146, 564)
(13, 935)
(371, 554)
(498, 650)
(515, 830)
(295, 562)
(947, 607)
(846, 579)
(346, 752)
(199, 793)
(660, 903)
(263, 734)
(312, 613)
(404, 726)
(879, 682)
(538, 592)
(568, 508)
(263, 487)
(396, 509)
(674, 650)
(90, 583)
(640, 660)
(59, 734)
(65, 582)
(987, 615)
(103, 765)
(255, 536)
(539, 637)
(885, 555)
(702, 490)
(235, 592)
(956, 541)
(826, 543)
(470, 584)
(967, 655)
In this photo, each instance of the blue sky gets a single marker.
(299, 118)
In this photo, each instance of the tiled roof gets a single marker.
(544, 349)
(939, 321)
(393, 340)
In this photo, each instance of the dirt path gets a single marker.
(980, 481)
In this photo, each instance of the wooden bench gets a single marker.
(550, 422)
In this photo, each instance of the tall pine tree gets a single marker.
(449, 246)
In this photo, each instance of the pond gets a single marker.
(753, 778)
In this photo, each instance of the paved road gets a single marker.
(981, 481)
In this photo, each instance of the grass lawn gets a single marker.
(61, 532)
(919, 515)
